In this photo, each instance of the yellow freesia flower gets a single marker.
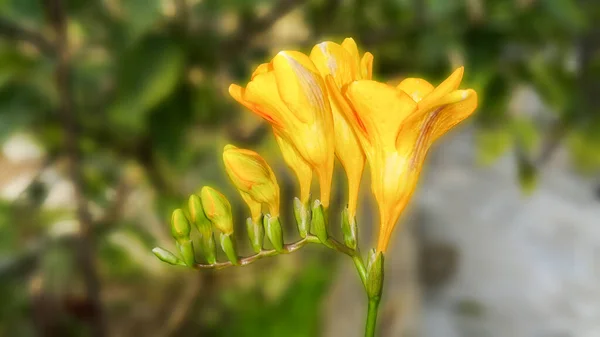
(253, 178)
(396, 127)
(290, 94)
(342, 62)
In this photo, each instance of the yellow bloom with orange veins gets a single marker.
(290, 94)
(396, 126)
(254, 178)
(344, 65)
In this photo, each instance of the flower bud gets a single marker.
(251, 174)
(274, 232)
(197, 215)
(256, 233)
(208, 247)
(302, 214)
(180, 226)
(166, 256)
(228, 246)
(217, 209)
(319, 222)
(349, 229)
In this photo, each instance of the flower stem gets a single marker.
(372, 317)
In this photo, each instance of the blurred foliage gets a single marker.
(149, 81)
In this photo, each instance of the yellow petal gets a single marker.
(366, 66)
(297, 164)
(382, 108)
(331, 58)
(263, 97)
(416, 88)
(261, 69)
(350, 45)
(343, 107)
(254, 206)
(300, 86)
(446, 87)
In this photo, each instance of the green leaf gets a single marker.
(140, 16)
(492, 143)
(147, 75)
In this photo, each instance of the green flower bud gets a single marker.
(349, 229)
(197, 215)
(166, 256)
(217, 209)
(319, 222)
(180, 226)
(251, 175)
(228, 246)
(375, 274)
(303, 217)
(274, 232)
(256, 233)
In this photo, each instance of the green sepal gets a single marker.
(319, 221)
(208, 247)
(256, 234)
(186, 248)
(375, 274)
(303, 217)
(274, 232)
(228, 246)
(168, 257)
(349, 230)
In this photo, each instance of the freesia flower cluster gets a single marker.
(327, 105)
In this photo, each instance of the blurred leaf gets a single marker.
(140, 15)
(28, 12)
(492, 143)
(528, 176)
(147, 75)
(296, 314)
(567, 12)
(584, 146)
(526, 134)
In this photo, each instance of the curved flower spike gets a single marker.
(290, 94)
(342, 62)
(217, 209)
(254, 178)
(396, 127)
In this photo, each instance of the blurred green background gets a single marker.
(113, 111)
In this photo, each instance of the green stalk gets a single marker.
(372, 317)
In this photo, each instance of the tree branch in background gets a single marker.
(256, 26)
(85, 247)
(12, 31)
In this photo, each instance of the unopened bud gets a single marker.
(180, 226)
(217, 209)
(197, 216)
(166, 256)
(251, 174)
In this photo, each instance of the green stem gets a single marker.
(372, 317)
